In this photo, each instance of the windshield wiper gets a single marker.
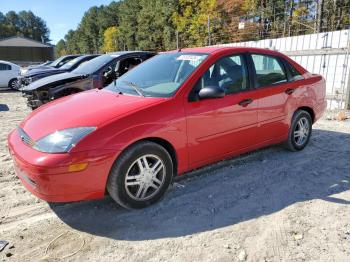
(135, 86)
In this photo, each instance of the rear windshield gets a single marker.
(71, 63)
(57, 61)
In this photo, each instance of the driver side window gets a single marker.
(228, 73)
(109, 74)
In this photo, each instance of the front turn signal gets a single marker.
(77, 167)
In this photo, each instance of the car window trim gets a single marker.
(288, 67)
(256, 86)
(244, 55)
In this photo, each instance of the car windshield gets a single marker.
(160, 76)
(94, 65)
(71, 63)
(57, 61)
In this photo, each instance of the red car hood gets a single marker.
(90, 108)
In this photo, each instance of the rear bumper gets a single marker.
(320, 109)
(47, 176)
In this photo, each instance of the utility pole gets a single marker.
(285, 18)
(209, 36)
(320, 5)
(177, 40)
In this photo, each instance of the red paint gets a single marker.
(201, 132)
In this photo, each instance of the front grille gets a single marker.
(25, 138)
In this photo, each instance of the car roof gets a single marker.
(223, 49)
(130, 52)
(7, 62)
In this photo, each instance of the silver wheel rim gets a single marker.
(301, 132)
(145, 177)
(14, 84)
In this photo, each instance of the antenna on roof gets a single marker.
(179, 50)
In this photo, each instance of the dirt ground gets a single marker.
(270, 205)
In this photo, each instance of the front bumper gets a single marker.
(47, 176)
(23, 81)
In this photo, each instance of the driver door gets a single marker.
(219, 127)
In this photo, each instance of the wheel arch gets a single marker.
(12, 79)
(162, 142)
(309, 110)
(168, 147)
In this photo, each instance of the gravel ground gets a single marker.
(270, 205)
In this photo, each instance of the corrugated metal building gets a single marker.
(24, 51)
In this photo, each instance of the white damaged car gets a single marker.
(8, 74)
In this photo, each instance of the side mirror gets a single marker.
(211, 92)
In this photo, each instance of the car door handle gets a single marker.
(245, 102)
(289, 91)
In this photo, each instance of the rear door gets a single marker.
(5, 74)
(219, 127)
(273, 92)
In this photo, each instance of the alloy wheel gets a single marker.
(145, 177)
(302, 131)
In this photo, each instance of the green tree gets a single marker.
(91, 31)
(192, 18)
(155, 29)
(128, 24)
(60, 48)
(26, 24)
(73, 43)
(33, 27)
(3, 26)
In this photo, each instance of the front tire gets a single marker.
(141, 175)
(13, 84)
(300, 131)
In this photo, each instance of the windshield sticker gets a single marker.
(193, 58)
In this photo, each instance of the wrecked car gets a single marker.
(36, 74)
(48, 65)
(96, 73)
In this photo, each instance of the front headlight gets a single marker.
(24, 71)
(29, 80)
(62, 141)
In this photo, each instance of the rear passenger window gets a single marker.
(269, 70)
(4, 67)
(294, 74)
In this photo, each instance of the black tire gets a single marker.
(293, 144)
(13, 84)
(126, 163)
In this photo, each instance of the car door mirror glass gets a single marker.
(211, 92)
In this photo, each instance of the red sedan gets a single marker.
(176, 112)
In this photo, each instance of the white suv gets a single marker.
(8, 74)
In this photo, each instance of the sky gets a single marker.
(60, 15)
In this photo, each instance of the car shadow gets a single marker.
(4, 107)
(8, 90)
(227, 193)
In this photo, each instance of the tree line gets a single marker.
(25, 24)
(168, 24)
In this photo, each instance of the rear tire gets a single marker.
(141, 175)
(300, 131)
